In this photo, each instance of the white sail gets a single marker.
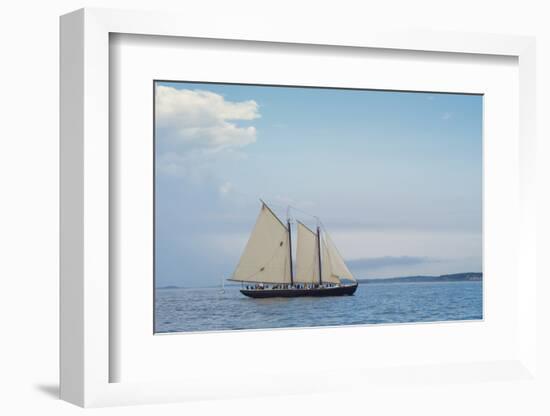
(307, 263)
(266, 256)
(333, 266)
(326, 267)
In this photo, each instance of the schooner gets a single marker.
(266, 269)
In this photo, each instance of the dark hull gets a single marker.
(347, 290)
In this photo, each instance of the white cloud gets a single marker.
(190, 120)
(446, 116)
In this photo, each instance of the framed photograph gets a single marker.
(249, 179)
(277, 213)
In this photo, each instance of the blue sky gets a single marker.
(396, 177)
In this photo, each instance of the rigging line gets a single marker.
(270, 202)
(304, 212)
(322, 225)
(275, 203)
(301, 210)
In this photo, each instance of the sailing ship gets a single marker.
(266, 270)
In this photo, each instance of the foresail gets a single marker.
(307, 265)
(326, 266)
(335, 264)
(266, 255)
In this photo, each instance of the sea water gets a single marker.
(208, 309)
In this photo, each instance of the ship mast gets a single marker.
(290, 251)
(319, 254)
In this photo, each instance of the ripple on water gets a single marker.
(181, 310)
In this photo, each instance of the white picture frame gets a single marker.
(86, 304)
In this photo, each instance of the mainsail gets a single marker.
(266, 257)
(307, 264)
(333, 266)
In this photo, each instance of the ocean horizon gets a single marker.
(452, 277)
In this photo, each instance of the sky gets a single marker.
(396, 177)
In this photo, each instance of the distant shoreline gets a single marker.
(444, 278)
